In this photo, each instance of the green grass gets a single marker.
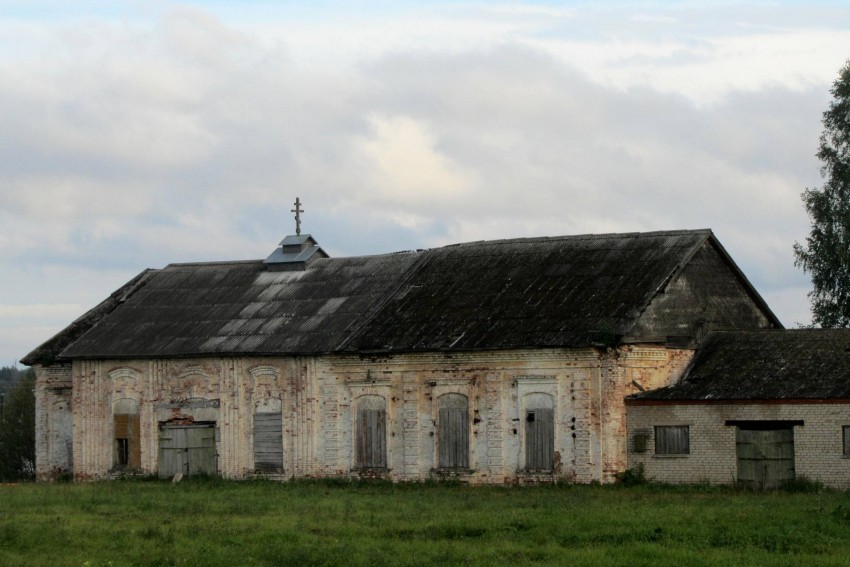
(215, 522)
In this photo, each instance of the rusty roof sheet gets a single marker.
(775, 364)
(535, 292)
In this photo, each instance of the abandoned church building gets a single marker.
(491, 362)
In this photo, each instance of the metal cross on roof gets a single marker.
(297, 210)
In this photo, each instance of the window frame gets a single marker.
(845, 433)
(371, 410)
(666, 447)
(451, 441)
(535, 406)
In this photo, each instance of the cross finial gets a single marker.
(297, 210)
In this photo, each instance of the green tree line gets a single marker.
(17, 424)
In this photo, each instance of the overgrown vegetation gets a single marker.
(17, 424)
(215, 522)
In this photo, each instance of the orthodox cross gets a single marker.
(297, 210)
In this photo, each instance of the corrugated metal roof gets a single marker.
(536, 292)
(793, 364)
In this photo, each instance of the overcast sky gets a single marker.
(135, 134)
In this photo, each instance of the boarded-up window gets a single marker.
(539, 432)
(672, 440)
(268, 442)
(371, 432)
(639, 441)
(846, 430)
(127, 449)
(453, 427)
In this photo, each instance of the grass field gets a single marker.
(215, 522)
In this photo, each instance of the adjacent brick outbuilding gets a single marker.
(755, 407)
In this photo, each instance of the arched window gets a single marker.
(371, 432)
(539, 432)
(126, 452)
(453, 428)
(268, 436)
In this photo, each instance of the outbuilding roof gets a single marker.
(564, 291)
(774, 364)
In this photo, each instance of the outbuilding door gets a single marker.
(765, 456)
(187, 449)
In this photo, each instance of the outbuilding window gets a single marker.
(846, 431)
(672, 440)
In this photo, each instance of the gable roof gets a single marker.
(773, 364)
(565, 291)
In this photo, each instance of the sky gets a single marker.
(137, 134)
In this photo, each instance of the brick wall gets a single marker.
(318, 399)
(53, 431)
(818, 443)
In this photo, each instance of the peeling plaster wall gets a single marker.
(318, 397)
(53, 432)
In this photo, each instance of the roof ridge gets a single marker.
(586, 236)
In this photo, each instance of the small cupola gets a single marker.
(295, 252)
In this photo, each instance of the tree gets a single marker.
(826, 254)
(17, 431)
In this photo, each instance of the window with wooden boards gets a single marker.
(127, 451)
(268, 442)
(672, 440)
(371, 432)
(453, 429)
(539, 432)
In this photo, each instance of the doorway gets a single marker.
(187, 449)
(765, 452)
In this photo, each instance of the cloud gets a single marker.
(406, 168)
(185, 134)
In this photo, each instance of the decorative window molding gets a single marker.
(265, 370)
(192, 372)
(124, 372)
(124, 379)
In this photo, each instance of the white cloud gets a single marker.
(184, 134)
(406, 167)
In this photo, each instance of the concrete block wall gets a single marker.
(818, 443)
